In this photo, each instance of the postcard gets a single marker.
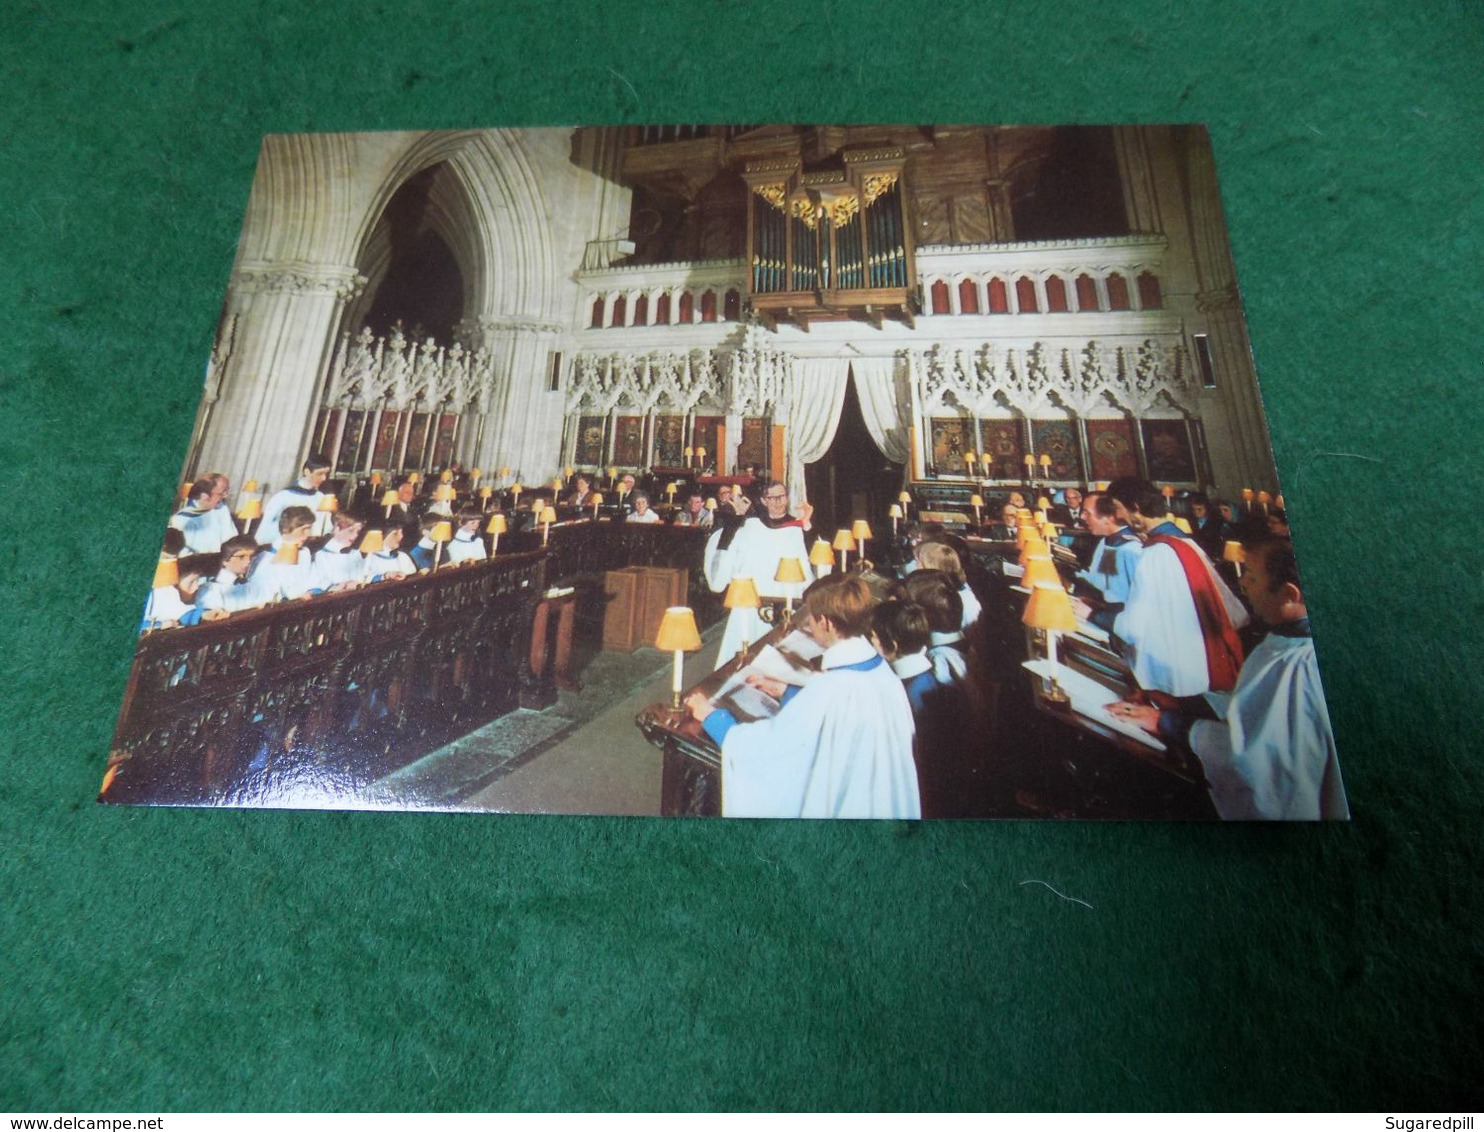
(894, 471)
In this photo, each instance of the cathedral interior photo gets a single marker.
(776, 471)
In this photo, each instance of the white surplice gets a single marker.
(754, 553)
(1273, 756)
(840, 748)
(1159, 623)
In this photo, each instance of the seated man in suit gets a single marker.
(1269, 754)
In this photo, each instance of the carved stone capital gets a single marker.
(299, 279)
(1218, 299)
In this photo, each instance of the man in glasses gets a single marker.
(751, 545)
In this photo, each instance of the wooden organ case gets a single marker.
(832, 244)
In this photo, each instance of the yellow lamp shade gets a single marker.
(388, 498)
(904, 497)
(678, 631)
(167, 572)
(1101, 485)
(1183, 523)
(613, 473)
(1048, 532)
(1050, 607)
(1247, 494)
(441, 532)
(820, 554)
(1045, 460)
(689, 451)
(444, 493)
(861, 530)
(250, 509)
(486, 492)
(741, 594)
(790, 570)
(1233, 552)
(375, 480)
(567, 471)
(895, 511)
(1040, 568)
(976, 501)
(1025, 533)
(1040, 517)
(371, 542)
(1167, 491)
(548, 514)
(597, 499)
(447, 476)
(329, 503)
(1034, 549)
(1279, 502)
(1030, 460)
(700, 453)
(1042, 503)
(185, 492)
(971, 457)
(556, 484)
(844, 540)
(504, 472)
(287, 554)
(517, 487)
(496, 525)
(475, 473)
(250, 485)
(711, 505)
(1264, 497)
(414, 477)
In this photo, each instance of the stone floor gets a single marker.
(582, 755)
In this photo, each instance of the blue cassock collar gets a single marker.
(1299, 628)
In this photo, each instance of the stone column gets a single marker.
(286, 321)
(524, 423)
(1140, 204)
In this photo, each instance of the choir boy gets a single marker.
(338, 565)
(841, 746)
(468, 543)
(1270, 753)
(229, 591)
(305, 493)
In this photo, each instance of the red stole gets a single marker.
(1223, 646)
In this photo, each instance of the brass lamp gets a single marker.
(440, 534)
(167, 572)
(1232, 552)
(1050, 610)
(790, 573)
(678, 634)
(548, 517)
(742, 594)
(1040, 568)
(844, 543)
(495, 527)
(371, 542)
(821, 557)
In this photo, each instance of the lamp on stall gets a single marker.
(475, 475)
(250, 485)
(1030, 468)
(670, 489)
(977, 503)
(440, 534)
(971, 458)
(414, 477)
(372, 542)
(1039, 568)
(821, 557)
(515, 489)
(504, 473)
(484, 497)
(167, 572)
(700, 457)
(375, 479)
(1232, 552)
(790, 574)
(1050, 610)
(444, 493)
(185, 493)
(556, 487)
(287, 554)
(860, 530)
(1040, 516)
(447, 476)
(1043, 504)
(548, 517)
(905, 499)
(612, 476)
(597, 502)
(689, 452)
(495, 527)
(567, 471)
(1263, 499)
(1045, 466)
(742, 594)
(1033, 549)
(1279, 502)
(844, 543)
(895, 511)
(249, 512)
(711, 506)
(678, 634)
(388, 501)
(1247, 496)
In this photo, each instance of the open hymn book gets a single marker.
(795, 660)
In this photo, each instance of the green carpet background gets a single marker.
(178, 960)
